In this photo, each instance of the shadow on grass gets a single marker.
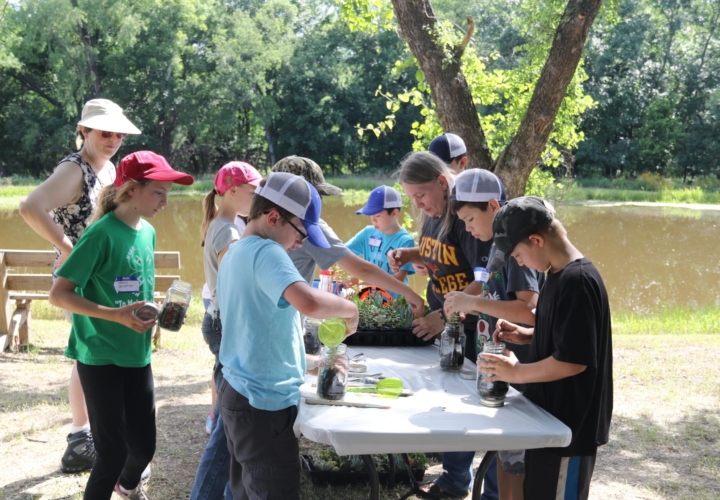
(16, 489)
(678, 460)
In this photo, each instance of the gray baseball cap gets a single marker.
(514, 222)
(478, 185)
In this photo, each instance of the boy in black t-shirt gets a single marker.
(570, 371)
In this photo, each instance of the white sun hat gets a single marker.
(106, 116)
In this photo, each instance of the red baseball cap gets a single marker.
(148, 165)
(236, 173)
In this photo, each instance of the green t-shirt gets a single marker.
(112, 265)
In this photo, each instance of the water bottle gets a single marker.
(483, 333)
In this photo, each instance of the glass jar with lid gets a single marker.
(310, 337)
(452, 345)
(177, 302)
(491, 393)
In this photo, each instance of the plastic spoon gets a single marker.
(389, 387)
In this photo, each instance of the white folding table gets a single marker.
(443, 415)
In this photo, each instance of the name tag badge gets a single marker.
(127, 284)
(375, 242)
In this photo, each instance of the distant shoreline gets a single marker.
(359, 186)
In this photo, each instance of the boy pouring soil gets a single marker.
(261, 294)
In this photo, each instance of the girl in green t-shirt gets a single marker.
(108, 275)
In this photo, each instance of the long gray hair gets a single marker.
(421, 168)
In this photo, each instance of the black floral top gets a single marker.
(74, 217)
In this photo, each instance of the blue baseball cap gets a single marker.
(381, 198)
(300, 198)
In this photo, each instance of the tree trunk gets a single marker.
(450, 91)
(523, 152)
(453, 99)
(92, 64)
(271, 149)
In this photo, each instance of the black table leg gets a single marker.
(391, 470)
(480, 474)
(373, 476)
(414, 485)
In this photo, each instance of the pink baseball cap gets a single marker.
(236, 173)
(148, 165)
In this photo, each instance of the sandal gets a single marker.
(435, 491)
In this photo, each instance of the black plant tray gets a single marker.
(386, 338)
(329, 477)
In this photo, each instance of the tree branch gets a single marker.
(460, 49)
(526, 147)
(33, 87)
(2, 16)
(450, 91)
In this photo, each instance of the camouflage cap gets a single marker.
(307, 168)
(514, 222)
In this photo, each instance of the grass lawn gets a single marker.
(665, 439)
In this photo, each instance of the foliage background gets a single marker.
(257, 80)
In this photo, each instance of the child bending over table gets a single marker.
(570, 369)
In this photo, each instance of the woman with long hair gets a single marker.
(59, 210)
(450, 254)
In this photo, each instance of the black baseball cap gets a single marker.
(514, 222)
(448, 146)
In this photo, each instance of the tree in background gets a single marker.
(206, 81)
(655, 76)
(328, 87)
(532, 98)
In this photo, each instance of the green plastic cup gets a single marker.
(332, 332)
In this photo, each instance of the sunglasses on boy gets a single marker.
(303, 236)
(108, 135)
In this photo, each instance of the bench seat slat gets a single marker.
(46, 258)
(43, 282)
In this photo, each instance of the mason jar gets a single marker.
(177, 302)
(452, 347)
(310, 337)
(491, 393)
(333, 373)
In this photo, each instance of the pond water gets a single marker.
(649, 257)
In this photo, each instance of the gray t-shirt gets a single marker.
(502, 285)
(308, 256)
(221, 232)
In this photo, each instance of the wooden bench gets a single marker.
(22, 288)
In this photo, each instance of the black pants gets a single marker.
(265, 456)
(549, 476)
(121, 407)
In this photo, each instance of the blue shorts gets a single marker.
(212, 333)
(512, 461)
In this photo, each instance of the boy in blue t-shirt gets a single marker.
(385, 234)
(261, 295)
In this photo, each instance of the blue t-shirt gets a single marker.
(373, 246)
(262, 349)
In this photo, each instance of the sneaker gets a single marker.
(209, 424)
(80, 453)
(146, 475)
(136, 494)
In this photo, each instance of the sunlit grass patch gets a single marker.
(675, 321)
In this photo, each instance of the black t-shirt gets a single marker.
(450, 262)
(572, 324)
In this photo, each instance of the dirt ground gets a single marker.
(665, 439)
